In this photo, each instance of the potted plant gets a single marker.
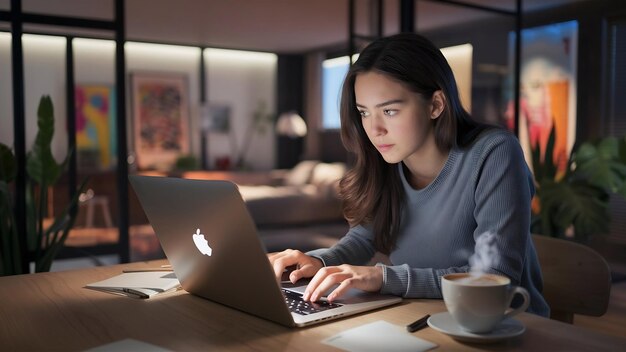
(42, 244)
(575, 203)
(261, 120)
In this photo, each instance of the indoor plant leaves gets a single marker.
(42, 244)
(578, 199)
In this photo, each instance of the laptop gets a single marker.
(213, 246)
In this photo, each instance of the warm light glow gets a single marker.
(105, 46)
(457, 51)
(291, 124)
(460, 59)
(162, 50)
(339, 61)
(43, 42)
(240, 56)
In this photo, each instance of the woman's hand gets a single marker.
(306, 266)
(366, 278)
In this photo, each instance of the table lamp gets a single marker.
(290, 128)
(291, 124)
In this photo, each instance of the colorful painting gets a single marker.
(161, 120)
(547, 89)
(95, 126)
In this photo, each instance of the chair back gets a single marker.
(576, 279)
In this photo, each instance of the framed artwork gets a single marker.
(95, 126)
(220, 118)
(547, 89)
(160, 119)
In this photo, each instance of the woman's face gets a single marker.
(397, 121)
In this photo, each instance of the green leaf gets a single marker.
(43, 171)
(585, 153)
(7, 164)
(40, 164)
(10, 253)
(575, 203)
(622, 150)
(622, 190)
(31, 219)
(58, 232)
(544, 166)
(600, 164)
(549, 165)
(536, 160)
(579, 198)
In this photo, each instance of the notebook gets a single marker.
(213, 246)
(137, 285)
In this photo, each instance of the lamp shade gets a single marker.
(291, 124)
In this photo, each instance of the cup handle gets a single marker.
(522, 291)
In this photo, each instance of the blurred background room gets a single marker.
(248, 91)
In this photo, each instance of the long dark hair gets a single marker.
(372, 190)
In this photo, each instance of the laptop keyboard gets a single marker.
(297, 305)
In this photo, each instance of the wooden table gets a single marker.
(52, 311)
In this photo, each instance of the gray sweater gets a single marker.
(484, 187)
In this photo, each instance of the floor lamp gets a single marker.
(291, 130)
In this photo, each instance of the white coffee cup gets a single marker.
(479, 302)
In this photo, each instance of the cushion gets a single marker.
(289, 205)
(301, 173)
(326, 177)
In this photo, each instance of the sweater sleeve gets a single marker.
(402, 280)
(503, 190)
(355, 248)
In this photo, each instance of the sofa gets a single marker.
(304, 195)
(297, 208)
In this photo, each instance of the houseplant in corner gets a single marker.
(575, 204)
(259, 123)
(42, 244)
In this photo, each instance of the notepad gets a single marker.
(138, 285)
(378, 336)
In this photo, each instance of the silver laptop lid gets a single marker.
(209, 238)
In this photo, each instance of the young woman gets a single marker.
(427, 182)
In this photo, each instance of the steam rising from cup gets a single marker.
(485, 255)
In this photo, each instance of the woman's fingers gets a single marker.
(332, 280)
(366, 278)
(317, 279)
(282, 260)
(304, 270)
(306, 266)
(340, 290)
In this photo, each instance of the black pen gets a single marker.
(418, 324)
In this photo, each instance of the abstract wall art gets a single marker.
(160, 104)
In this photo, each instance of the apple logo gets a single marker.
(202, 243)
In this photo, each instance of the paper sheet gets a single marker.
(378, 336)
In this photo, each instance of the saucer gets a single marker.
(508, 328)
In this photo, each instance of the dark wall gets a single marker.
(331, 148)
(290, 87)
(490, 42)
(592, 58)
